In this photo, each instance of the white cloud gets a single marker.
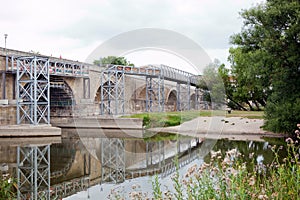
(73, 28)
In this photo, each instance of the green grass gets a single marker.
(165, 119)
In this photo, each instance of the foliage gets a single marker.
(212, 85)
(251, 82)
(177, 182)
(157, 193)
(151, 120)
(113, 60)
(7, 188)
(266, 61)
(232, 175)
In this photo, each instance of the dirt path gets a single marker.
(234, 128)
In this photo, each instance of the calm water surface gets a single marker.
(90, 168)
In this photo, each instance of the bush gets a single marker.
(282, 116)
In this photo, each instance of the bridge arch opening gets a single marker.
(171, 104)
(59, 168)
(97, 98)
(139, 97)
(61, 97)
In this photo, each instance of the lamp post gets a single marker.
(5, 37)
(4, 72)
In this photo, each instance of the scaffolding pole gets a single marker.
(33, 172)
(112, 160)
(198, 99)
(183, 96)
(112, 92)
(33, 90)
(155, 94)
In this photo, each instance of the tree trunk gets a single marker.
(257, 105)
(239, 105)
(249, 104)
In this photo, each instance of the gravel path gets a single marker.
(234, 128)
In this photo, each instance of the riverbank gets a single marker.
(233, 128)
(27, 130)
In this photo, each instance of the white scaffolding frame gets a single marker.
(183, 96)
(33, 90)
(112, 160)
(33, 172)
(112, 93)
(154, 94)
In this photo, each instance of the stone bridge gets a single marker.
(48, 86)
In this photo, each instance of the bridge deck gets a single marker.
(162, 71)
(57, 66)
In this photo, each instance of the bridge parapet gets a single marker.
(57, 66)
(164, 71)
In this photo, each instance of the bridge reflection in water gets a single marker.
(72, 166)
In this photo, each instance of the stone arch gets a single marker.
(61, 97)
(97, 98)
(66, 152)
(138, 99)
(171, 101)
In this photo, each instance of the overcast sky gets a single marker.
(73, 29)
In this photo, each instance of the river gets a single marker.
(94, 168)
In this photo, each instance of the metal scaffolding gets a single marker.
(183, 96)
(33, 90)
(113, 86)
(155, 94)
(57, 66)
(198, 98)
(112, 160)
(112, 92)
(33, 172)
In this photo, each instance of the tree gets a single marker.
(251, 82)
(113, 60)
(267, 54)
(229, 85)
(212, 85)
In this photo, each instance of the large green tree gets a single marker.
(266, 60)
(113, 60)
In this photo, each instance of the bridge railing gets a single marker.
(57, 66)
(177, 74)
(163, 71)
(145, 71)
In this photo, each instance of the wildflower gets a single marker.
(262, 196)
(232, 171)
(215, 153)
(226, 161)
(251, 155)
(252, 181)
(289, 140)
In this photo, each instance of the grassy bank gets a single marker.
(165, 119)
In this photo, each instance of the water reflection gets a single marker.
(78, 164)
